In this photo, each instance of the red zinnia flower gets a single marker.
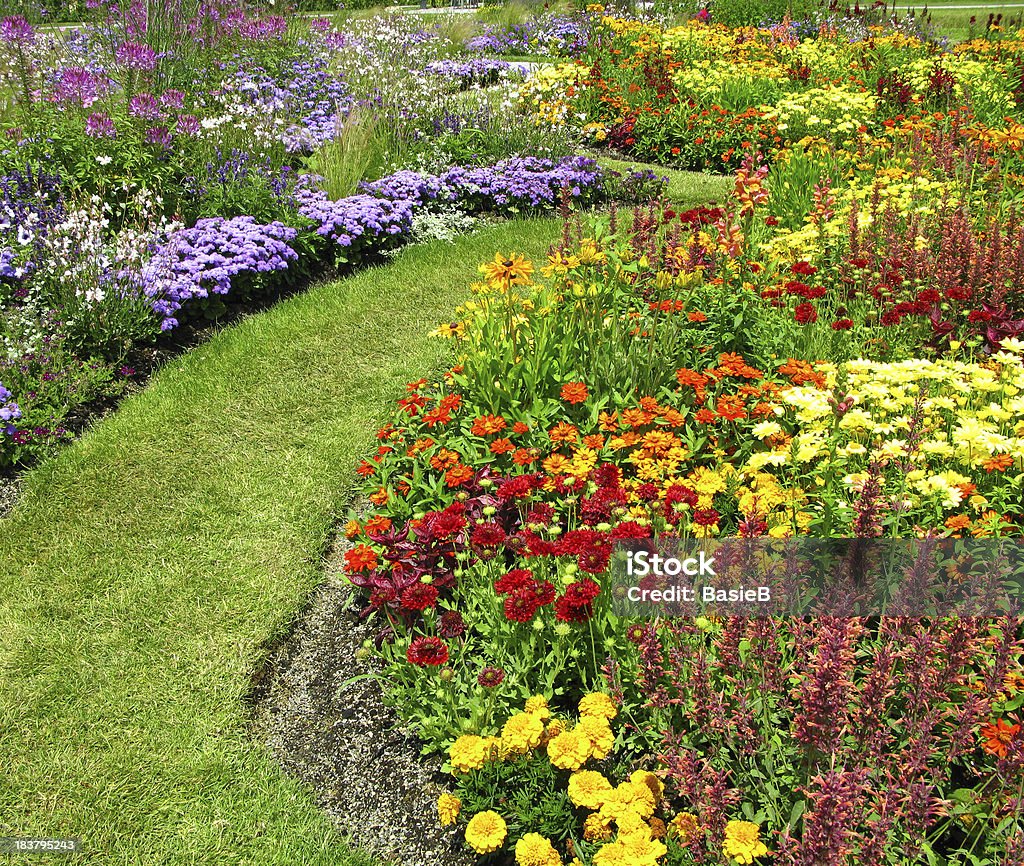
(576, 604)
(424, 651)
(842, 324)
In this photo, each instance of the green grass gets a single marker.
(149, 564)
(688, 188)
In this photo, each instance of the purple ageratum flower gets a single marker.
(136, 56)
(8, 270)
(159, 137)
(207, 258)
(146, 106)
(9, 411)
(100, 126)
(17, 30)
(359, 223)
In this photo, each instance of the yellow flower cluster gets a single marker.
(834, 112)
(743, 842)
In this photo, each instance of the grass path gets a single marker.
(149, 564)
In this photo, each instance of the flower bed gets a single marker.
(791, 364)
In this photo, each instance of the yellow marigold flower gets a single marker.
(646, 777)
(631, 824)
(468, 752)
(538, 706)
(569, 750)
(534, 850)
(743, 841)
(598, 704)
(522, 732)
(587, 788)
(598, 734)
(448, 806)
(485, 832)
(596, 830)
(627, 797)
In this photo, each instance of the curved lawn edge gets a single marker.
(148, 566)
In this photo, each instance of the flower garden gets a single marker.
(833, 350)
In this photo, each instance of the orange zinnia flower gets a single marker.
(998, 736)
(445, 459)
(730, 408)
(523, 457)
(366, 469)
(457, 476)
(959, 521)
(360, 558)
(437, 416)
(998, 463)
(502, 446)
(485, 425)
(520, 427)
(574, 392)
(594, 441)
(696, 316)
(419, 446)
(563, 432)
(378, 524)
(705, 416)
(636, 417)
(352, 529)
(609, 421)
(380, 497)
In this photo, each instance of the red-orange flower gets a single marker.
(520, 427)
(485, 425)
(457, 476)
(524, 457)
(574, 392)
(998, 737)
(378, 524)
(998, 463)
(730, 408)
(705, 416)
(380, 497)
(360, 558)
(444, 459)
(502, 446)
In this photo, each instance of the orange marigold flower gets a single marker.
(445, 459)
(563, 432)
(379, 498)
(360, 558)
(998, 737)
(609, 421)
(594, 441)
(696, 316)
(485, 425)
(502, 446)
(998, 463)
(574, 392)
(457, 476)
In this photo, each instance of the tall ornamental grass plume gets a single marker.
(846, 739)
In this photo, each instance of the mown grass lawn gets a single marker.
(148, 566)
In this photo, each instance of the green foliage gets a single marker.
(752, 13)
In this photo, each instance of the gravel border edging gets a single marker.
(337, 736)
